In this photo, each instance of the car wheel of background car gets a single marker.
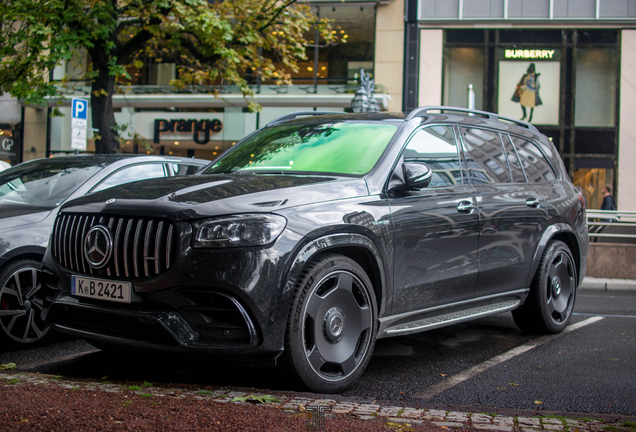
(21, 303)
(332, 324)
(548, 309)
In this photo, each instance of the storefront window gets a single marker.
(463, 66)
(591, 182)
(356, 25)
(8, 147)
(596, 81)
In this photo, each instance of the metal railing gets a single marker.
(611, 226)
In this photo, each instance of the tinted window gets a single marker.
(436, 146)
(132, 174)
(338, 147)
(44, 184)
(513, 161)
(537, 168)
(184, 169)
(485, 156)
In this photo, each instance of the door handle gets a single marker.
(532, 202)
(465, 207)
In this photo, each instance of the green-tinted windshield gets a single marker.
(340, 148)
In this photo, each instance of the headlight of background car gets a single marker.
(240, 230)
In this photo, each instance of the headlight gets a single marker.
(240, 230)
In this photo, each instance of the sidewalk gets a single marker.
(32, 401)
(608, 284)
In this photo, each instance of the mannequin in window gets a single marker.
(527, 92)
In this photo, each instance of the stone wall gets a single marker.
(611, 260)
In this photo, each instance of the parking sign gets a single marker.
(79, 110)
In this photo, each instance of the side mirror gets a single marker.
(417, 175)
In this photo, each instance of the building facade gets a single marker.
(575, 58)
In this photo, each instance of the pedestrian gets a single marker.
(608, 201)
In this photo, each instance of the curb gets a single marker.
(608, 284)
(393, 415)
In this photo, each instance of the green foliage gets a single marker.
(101, 42)
(8, 366)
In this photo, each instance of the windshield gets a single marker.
(45, 184)
(341, 148)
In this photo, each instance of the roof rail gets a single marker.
(419, 112)
(294, 115)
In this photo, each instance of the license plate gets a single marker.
(115, 291)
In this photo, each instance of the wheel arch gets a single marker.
(567, 235)
(26, 252)
(357, 247)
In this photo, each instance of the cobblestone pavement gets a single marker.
(393, 415)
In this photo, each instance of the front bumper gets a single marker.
(227, 302)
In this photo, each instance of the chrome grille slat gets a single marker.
(111, 223)
(64, 237)
(73, 239)
(81, 240)
(91, 270)
(170, 241)
(117, 242)
(147, 245)
(137, 252)
(136, 243)
(158, 238)
(126, 243)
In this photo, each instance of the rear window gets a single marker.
(350, 148)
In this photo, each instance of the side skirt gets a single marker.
(451, 313)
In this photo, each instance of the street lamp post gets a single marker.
(364, 101)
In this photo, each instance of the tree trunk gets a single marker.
(102, 108)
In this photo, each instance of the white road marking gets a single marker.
(447, 383)
(604, 315)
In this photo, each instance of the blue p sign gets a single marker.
(79, 108)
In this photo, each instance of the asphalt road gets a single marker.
(484, 365)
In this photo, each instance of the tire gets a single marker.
(21, 303)
(332, 324)
(548, 308)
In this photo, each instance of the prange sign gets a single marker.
(198, 127)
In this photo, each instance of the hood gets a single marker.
(191, 197)
(15, 215)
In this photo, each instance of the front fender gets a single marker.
(334, 241)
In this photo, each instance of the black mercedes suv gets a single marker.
(322, 232)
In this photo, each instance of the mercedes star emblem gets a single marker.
(98, 246)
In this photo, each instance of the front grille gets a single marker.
(142, 247)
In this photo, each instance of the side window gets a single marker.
(513, 161)
(436, 147)
(181, 169)
(132, 174)
(485, 156)
(537, 168)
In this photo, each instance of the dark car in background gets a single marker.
(30, 195)
(320, 233)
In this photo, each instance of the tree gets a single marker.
(211, 42)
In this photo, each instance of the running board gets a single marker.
(448, 319)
